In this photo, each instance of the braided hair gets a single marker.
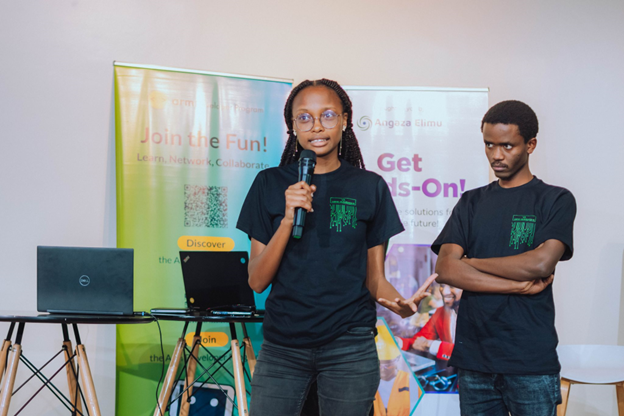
(350, 147)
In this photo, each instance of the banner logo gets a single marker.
(364, 123)
(84, 280)
(522, 230)
(343, 213)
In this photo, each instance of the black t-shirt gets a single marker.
(319, 290)
(509, 334)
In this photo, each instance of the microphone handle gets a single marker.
(300, 213)
(298, 222)
(307, 177)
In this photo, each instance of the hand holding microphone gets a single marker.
(299, 195)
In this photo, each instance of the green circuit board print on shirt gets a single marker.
(343, 213)
(522, 230)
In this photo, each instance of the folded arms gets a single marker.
(527, 273)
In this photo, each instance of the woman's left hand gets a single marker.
(408, 307)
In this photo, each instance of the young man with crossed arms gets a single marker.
(501, 245)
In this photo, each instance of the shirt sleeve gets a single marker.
(456, 228)
(559, 223)
(386, 222)
(254, 219)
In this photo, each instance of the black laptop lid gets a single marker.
(216, 280)
(85, 280)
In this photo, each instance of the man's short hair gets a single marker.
(513, 112)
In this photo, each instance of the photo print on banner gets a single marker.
(399, 392)
(427, 337)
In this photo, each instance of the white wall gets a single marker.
(564, 58)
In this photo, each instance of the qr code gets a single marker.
(205, 206)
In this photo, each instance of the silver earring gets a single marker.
(340, 150)
(295, 133)
(344, 128)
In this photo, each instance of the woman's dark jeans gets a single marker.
(346, 370)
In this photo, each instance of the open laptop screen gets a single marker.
(216, 280)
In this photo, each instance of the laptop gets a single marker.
(215, 283)
(418, 362)
(85, 280)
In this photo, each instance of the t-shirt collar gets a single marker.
(343, 165)
(529, 184)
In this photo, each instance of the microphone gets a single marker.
(307, 162)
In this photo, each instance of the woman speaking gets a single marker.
(320, 314)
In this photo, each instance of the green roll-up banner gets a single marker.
(188, 146)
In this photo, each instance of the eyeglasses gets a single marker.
(305, 122)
